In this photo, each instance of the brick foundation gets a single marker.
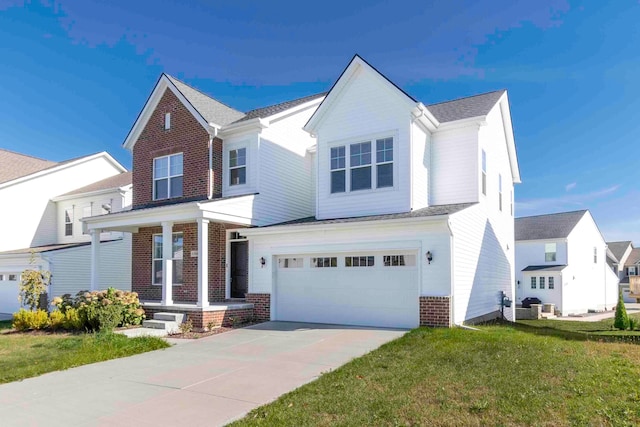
(261, 306)
(435, 311)
(201, 318)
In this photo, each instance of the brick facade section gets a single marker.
(187, 292)
(435, 311)
(261, 306)
(186, 136)
(202, 319)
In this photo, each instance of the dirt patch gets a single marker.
(205, 333)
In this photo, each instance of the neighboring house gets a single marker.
(47, 201)
(362, 206)
(561, 259)
(628, 265)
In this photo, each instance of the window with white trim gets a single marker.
(552, 284)
(359, 261)
(167, 121)
(533, 283)
(167, 177)
(500, 191)
(550, 251)
(238, 166)
(290, 262)
(360, 166)
(176, 257)
(399, 260)
(323, 262)
(384, 162)
(338, 169)
(542, 279)
(484, 172)
(632, 271)
(68, 222)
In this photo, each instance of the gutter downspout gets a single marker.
(452, 255)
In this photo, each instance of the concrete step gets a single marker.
(143, 332)
(166, 325)
(172, 317)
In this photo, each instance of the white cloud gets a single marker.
(570, 186)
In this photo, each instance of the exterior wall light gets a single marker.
(429, 257)
(263, 262)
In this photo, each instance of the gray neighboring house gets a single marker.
(625, 264)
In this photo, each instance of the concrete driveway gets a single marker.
(210, 381)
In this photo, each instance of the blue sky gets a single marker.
(75, 74)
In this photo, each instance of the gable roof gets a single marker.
(212, 110)
(634, 257)
(619, 248)
(550, 226)
(15, 165)
(278, 108)
(113, 182)
(464, 108)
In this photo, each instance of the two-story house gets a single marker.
(41, 205)
(561, 259)
(626, 263)
(363, 206)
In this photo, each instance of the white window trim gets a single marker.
(369, 165)
(339, 169)
(154, 259)
(483, 169)
(245, 166)
(167, 121)
(555, 252)
(168, 177)
(629, 270)
(69, 210)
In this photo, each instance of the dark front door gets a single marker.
(239, 265)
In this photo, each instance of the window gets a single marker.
(500, 192)
(1, 277)
(542, 282)
(632, 271)
(384, 163)
(360, 166)
(399, 260)
(484, 172)
(551, 283)
(176, 256)
(238, 166)
(290, 262)
(13, 277)
(595, 255)
(549, 252)
(533, 283)
(167, 121)
(359, 261)
(338, 170)
(324, 262)
(167, 177)
(68, 222)
(511, 201)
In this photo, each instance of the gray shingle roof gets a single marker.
(114, 182)
(544, 268)
(277, 108)
(211, 110)
(551, 226)
(419, 213)
(464, 108)
(618, 248)
(16, 165)
(634, 257)
(51, 248)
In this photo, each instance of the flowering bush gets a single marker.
(25, 320)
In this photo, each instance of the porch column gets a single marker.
(203, 262)
(95, 259)
(167, 263)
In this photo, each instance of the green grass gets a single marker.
(29, 355)
(499, 375)
(5, 324)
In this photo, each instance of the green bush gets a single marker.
(633, 323)
(72, 321)
(622, 319)
(56, 320)
(25, 320)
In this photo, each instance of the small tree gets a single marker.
(622, 319)
(33, 283)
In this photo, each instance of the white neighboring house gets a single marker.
(47, 201)
(561, 259)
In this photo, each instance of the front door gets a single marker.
(239, 265)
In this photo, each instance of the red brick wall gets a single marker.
(142, 248)
(187, 136)
(261, 306)
(435, 311)
(201, 319)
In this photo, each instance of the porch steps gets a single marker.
(167, 322)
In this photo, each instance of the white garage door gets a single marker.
(9, 293)
(365, 289)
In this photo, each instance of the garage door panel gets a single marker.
(9, 296)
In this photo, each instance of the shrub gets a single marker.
(33, 284)
(72, 321)
(25, 320)
(56, 320)
(633, 323)
(186, 327)
(622, 319)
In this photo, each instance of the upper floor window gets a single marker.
(484, 172)
(631, 271)
(550, 252)
(500, 191)
(167, 177)
(362, 174)
(595, 255)
(238, 166)
(68, 222)
(167, 121)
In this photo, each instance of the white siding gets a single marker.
(532, 252)
(32, 218)
(248, 140)
(366, 108)
(420, 166)
(455, 166)
(546, 295)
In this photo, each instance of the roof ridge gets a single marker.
(27, 155)
(285, 102)
(466, 97)
(554, 213)
(201, 92)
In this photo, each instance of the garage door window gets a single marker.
(323, 262)
(399, 260)
(290, 262)
(359, 261)
(13, 277)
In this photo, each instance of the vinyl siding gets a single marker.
(532, 252)
(420, 166)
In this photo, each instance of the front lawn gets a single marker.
(32, 354)
(599, 330)
(449, 377)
